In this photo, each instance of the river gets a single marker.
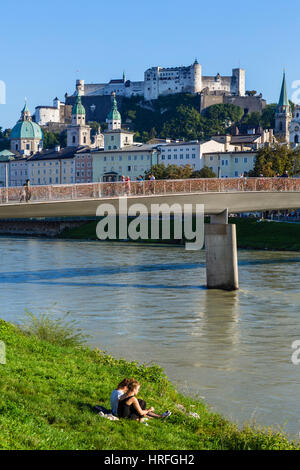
(149, 303)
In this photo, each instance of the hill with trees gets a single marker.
(178, 117)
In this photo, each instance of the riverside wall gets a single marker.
(37, 228)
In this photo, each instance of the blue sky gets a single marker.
(47, 45)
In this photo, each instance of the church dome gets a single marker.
(26, 130)
(78, 107)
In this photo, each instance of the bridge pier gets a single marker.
(221, 253)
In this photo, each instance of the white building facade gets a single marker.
(190, 153)
(230, 164)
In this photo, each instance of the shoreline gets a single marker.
(40, 377)
(252, 233)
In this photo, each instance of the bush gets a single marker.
(59, 331)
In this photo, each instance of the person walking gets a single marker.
(27, 191)
(127, 185)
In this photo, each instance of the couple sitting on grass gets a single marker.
(124, 403)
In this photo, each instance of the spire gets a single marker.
(283, 99)
(25, 113)
(114, 113)
(25, 106)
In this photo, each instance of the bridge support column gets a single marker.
(221, 253)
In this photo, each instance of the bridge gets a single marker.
(219, 196)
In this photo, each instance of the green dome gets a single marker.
(78, 107)
(114, 114)
(26, 130)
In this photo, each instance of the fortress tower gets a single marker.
(197, 77)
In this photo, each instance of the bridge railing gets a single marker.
(68, 192)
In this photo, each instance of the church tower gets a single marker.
(114, 136)
(114, 117)
(283, 114)
(78, 133)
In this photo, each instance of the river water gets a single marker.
(149, 303)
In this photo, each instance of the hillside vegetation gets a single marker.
(178, 117)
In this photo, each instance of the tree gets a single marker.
(170, 172)
(4, 138)
(94, 125)
(275, 160)
(224, 112)
(184, 124)
(51, 139)
(267, 119)
(205, 172)
(251, 92)
(157, 170)
(252, 119)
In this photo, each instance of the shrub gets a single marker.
(59, 331)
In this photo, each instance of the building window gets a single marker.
(73, 139)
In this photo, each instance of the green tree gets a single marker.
(51, 139)
(4, 138)
(94, 125)
(267, 119)
(205, 172)
(275, 160)
(252, 119)
(224, 112)
(171, 172)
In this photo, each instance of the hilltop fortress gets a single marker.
(165, 81)
(158, 82)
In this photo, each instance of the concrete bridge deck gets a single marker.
(234, 194)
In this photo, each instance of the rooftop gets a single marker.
(52, 154)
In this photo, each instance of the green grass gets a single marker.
(250, 234)
(47, 392)
(262, 235)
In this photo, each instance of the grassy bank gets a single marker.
(48, 391)
(250, 234)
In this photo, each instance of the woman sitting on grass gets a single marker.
(133, 408)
